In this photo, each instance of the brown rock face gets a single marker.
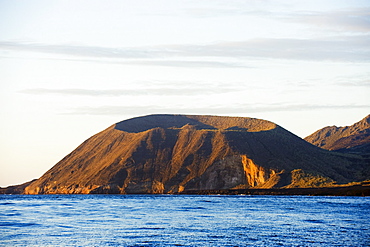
(176, 153)
(355, 137)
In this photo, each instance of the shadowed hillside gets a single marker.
(179, 153)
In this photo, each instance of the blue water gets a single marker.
(183, 220)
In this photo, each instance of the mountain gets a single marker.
(180, 153)
(351, 139)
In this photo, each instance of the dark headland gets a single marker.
(194, 154)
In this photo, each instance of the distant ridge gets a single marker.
(186, 153)
(354, 138)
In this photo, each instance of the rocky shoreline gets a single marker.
(354, 190)
(362, 189)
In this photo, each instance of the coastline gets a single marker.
(354, 190)
(362, 189)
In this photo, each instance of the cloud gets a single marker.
(244, 9)
(354, 83)
(188, 89)
(349, 20)
(341, 49)
(338, 49)
(189, 64)
(76, 50)
(207, 110)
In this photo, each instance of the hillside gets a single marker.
(354, 138)
(180, 153)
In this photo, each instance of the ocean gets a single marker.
(183, 220)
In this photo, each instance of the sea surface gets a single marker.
(183, 220)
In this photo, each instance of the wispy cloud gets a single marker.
(344, 20)
(353, 82)
(215, 109)
(349, 20)
(189, 89)
(188, 64)
(341, 48)
(77, 50)
(227, 10)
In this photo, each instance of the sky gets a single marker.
(70, 69)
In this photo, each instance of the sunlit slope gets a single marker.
(175, 153)
(354, 138)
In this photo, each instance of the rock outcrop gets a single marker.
(179, 153)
